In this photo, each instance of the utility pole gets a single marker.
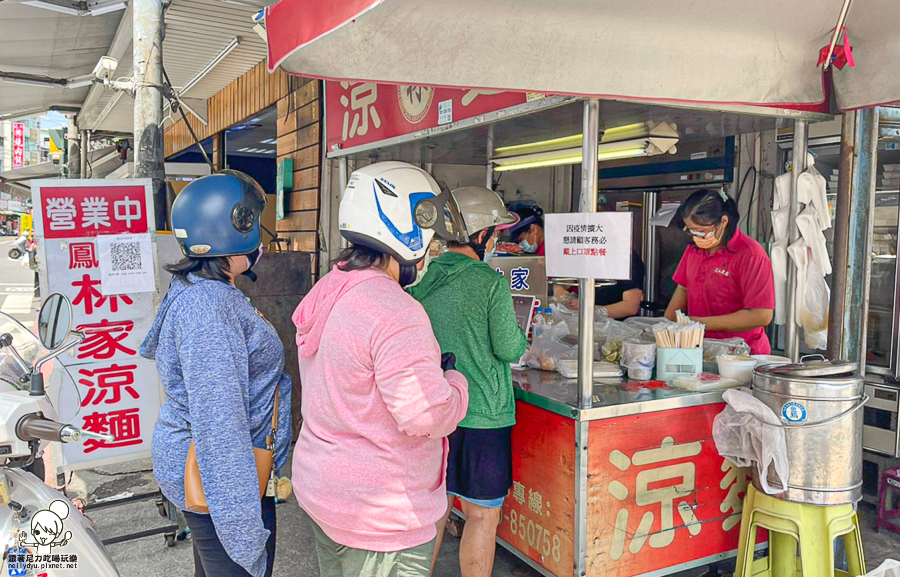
(148, 140)
(73, 146)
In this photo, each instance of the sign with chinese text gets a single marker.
(659, 494)
(18, 144)
(83, 229)
(588, 245)
(72, 211)
(526, 276)
(362, 112)
(538, 513)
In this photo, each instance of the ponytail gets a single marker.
(707, 207)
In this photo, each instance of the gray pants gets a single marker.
(336, 560)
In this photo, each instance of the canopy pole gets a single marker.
(489, 169)
(589, 189)
(798, 165)
(648, 250)
(343, 179)
(853, 223)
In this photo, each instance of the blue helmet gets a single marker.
(218, 215)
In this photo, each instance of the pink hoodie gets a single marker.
(370, 462)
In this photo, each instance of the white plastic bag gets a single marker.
(890, 568)
(712, 348)
(748, 432)
(548, 348)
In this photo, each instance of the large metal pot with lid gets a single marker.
(818, 403)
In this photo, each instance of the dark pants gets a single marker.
(210, 558)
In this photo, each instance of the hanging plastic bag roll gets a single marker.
(747, 432)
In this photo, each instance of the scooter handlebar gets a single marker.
(33, 427)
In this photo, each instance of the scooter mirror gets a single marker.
(55, 321)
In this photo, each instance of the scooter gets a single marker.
(18, 248)
(41, 531)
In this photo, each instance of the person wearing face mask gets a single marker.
(378, 397)
(471, 312)
(528, 233)
(725, 278)
(221, 366)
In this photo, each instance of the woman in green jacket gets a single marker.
(471, 312)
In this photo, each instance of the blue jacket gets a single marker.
(219, 363)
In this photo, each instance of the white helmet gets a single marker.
(378, 205)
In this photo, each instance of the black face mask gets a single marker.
(253, 258)
(407, 274)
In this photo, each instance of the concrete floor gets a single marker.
(149, 557)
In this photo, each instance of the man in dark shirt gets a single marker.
(621, 300)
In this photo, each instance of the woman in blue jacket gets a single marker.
(221, 365)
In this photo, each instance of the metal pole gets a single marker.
(148, 108)
(343, 178)
(85, 150)
(648, 249)
(849, 153)
(489, 169)
(589, 188)
(73, 161)
(791, 333)
(856, 271)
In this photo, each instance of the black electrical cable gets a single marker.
(174, 104)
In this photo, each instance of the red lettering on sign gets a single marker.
(112, 380)
(124, 425)
(104, 339)
(91, 297)
(73, 211)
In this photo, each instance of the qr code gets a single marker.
(125, 256)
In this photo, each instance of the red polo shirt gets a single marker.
(733, 278)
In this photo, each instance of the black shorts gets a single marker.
(479, 467)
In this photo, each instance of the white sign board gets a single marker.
(588, 245)
(103, 385)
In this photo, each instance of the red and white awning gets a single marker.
(706, 51)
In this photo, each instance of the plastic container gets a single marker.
(671, 363)
(737, 367)
(639, 357)
(704, 382)
(763, 360)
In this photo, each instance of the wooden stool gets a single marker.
(813, 527)
(889, 518)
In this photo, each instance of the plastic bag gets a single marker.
(548, 348)
(712, 348)
(814, 313)
(613, 333)
(747, 432)
(890, 568)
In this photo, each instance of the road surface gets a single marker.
(16, 285)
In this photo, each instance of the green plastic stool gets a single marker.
(814, 527)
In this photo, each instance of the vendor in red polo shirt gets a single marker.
(725, 279)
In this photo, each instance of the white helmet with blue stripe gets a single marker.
(378, 207)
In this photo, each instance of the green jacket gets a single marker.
(471, 311)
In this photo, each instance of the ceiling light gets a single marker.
(614, 134)
(55, 7)
(647, 146)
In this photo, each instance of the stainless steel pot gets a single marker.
(819, 406)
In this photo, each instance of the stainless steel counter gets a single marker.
(611, 398)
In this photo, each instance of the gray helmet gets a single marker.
(480, 208)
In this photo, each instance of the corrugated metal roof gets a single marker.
(38, 41)
(196, 32)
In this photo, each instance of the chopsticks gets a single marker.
(682, 334)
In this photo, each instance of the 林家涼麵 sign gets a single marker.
(588, 245)
(363, 112)
(106, 387)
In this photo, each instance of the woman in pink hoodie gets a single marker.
(369, 465)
